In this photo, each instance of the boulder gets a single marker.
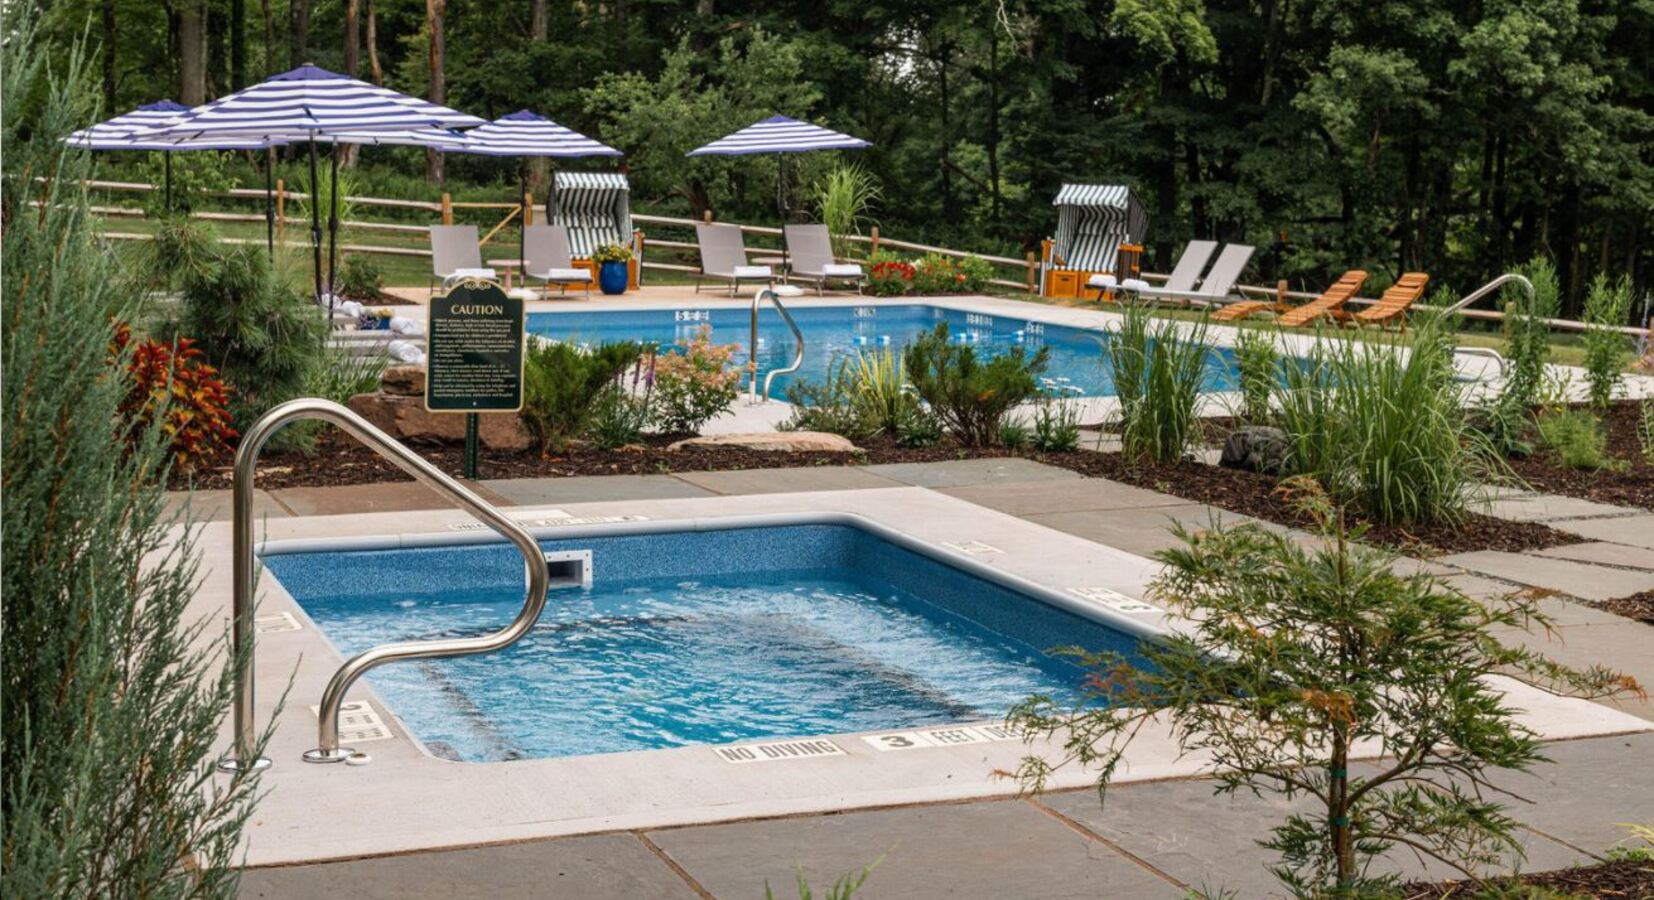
(398, 409)
(1256, 448)
(783, 441)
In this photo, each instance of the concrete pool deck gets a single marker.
(1060, 843)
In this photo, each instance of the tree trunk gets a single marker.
(269, 38)
(192, 53)
(435, 10)
(109, 45)
(298, 33)
(945, 97)
(353, 36)
(376, 73)
(539, 168)
(238, 44)
(991, 139)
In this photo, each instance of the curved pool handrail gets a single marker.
(752, 349)
(1489, 288)
(242, 629)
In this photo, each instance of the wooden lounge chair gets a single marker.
(1332, 298)
(1393, 304)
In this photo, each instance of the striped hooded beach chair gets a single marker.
(595, 208)
(1093, 220)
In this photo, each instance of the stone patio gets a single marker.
(1153, 839)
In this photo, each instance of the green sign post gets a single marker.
(474, 356)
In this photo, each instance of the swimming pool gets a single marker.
(1076, 367)
(694, 637)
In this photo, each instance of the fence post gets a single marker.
(1280, 293)
(874, 246)
(281, 212)
(447, 209)
(708, 216)
(528, 209)
(1033, 273)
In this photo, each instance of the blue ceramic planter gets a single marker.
(612, 278)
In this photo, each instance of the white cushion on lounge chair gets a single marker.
(349, 308)
(1135, 284)
(564, 275)
(402, 325)
(404, 351)
(471, 273)
(754, 272)
(1101, 280)
(841, 270)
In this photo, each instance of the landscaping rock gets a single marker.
(398, 409)
(1256, 448)
(783, 441)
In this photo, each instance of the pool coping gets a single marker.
(407, 800)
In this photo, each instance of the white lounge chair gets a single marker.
(546, 257)
(1214, 289)
(724, 258)
(810, 249)
(455, 253)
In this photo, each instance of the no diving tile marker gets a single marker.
(279, 622)
(772, 751)
(974, 548)
(1114, 600)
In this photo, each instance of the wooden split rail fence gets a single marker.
(677, 251)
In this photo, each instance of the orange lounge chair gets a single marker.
(1331, 298)
(1393, 304)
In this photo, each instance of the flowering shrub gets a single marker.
(936, 274)
(889, 276)
(695, 385)
(974, 272)
(191, 399)
(609, 253)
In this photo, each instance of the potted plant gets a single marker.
(612, 274)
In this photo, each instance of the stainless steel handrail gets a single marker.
(1489, 288)
(242, 633)
(1485, 352)
(752, 348)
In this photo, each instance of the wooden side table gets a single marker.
(507, 266)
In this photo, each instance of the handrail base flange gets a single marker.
(231, 764)
(321, 755)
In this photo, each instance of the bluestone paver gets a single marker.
(1001, 848)
(1595, 785)
(1530, 507)
(1603, 553)
(592, 488)
(785, 481)
(1136, 531)
(596, 867)
(1576, 579)
(957, 472)
(1638, 530)
(1623, 645)
(215, 506)
(1025, 498)
(387, 496)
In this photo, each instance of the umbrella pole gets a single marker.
(166, 168)
(333, 227)
(522, 224)
(316, 229)
(781, 202)
(270, 200)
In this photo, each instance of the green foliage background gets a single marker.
(1452, 138)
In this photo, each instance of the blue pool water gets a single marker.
(692, 638)
(829, 332)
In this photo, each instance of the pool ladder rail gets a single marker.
(774, 292)
(244, 753)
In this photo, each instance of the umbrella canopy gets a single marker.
(779, 134)
(312, 101)
(118, 133)
(524, 133)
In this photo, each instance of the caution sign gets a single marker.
(475, 355)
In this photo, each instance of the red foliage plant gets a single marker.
(192, 400)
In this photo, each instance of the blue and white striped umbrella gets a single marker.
(779, 134)
(313, 102)
(524, 133)
(117, 133)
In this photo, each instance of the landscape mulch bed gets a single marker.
(1630, 486)
(339, 460)
(1620, 880)
(1639, 606)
